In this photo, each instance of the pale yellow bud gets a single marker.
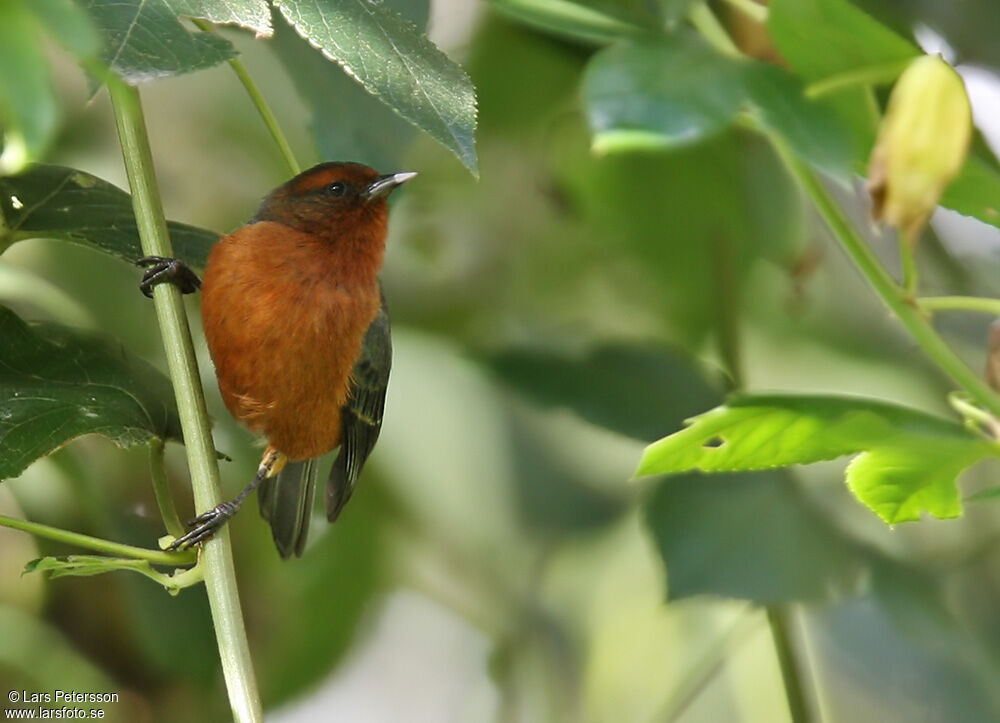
(921, 144)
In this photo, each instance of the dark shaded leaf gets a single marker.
(812, 128)
(56, 385)
(751, 536)
(660, 93)
(144, 40)
(63, 203)
(637, 391)
(394, 61)
(347, 122)
(551, 495)
(907, 461)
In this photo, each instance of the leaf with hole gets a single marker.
(57, 385)
(63, 203)
(907, 461)
(394, 61)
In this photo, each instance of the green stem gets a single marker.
(751, 9)
(701, 673)
(960, 303)
(908, 261)
(871, 75)
(784, 648)
(260, 103)
(705, 22)
(905, 309)
(217, 557)
(157, 557)
(161, 488)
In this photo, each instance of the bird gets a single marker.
(296, 323)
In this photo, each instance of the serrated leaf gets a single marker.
(63, 203)
(788, 551)
(822, 38)
(144, 40)
(347, 122)
(660, 93)
(395, 62)
(908, 460)
(27, 101)
(250, 14)
(57, 385)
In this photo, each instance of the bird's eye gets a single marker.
(337, 189)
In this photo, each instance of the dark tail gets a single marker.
(286, 503)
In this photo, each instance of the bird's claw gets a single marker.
(160, 269)
(204, 526)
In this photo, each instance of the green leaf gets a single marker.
(89, 565)
(812, 128)
(660, 93)
(63, 203)
(27, 101)
(395, 62)
(695, 521)
(347, 122)
(250, 14)
(907, 462)
(57, 385)
(823, 38)
(569, 19)
(635, 390)
(975, 191)
(68, 24)
(144, 40)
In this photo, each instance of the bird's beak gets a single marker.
(384, 185)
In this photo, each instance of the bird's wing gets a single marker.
(286, 502)
(361, 416)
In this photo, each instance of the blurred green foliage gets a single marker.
(553, 317)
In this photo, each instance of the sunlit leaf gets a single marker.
(27, 101)
(56, 385)
(396, 63)
(63, 203)
(907, 460)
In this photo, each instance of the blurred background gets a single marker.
(549, 321)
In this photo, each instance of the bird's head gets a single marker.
(333, 199)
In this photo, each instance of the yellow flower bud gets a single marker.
(921, 144)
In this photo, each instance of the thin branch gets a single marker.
(960, 303)
(161, 488)
(216, 556)
(98, 544)
(260, 103)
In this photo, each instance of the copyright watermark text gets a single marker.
(56, 705)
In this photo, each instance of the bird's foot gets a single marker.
(160, 269)
(202, 527)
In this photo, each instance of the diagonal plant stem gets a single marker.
(260, 103)
(98, 544)
(216, 555)
(161, 488)
(893, 295)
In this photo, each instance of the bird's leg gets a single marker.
(208, 523)
(160, 269)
